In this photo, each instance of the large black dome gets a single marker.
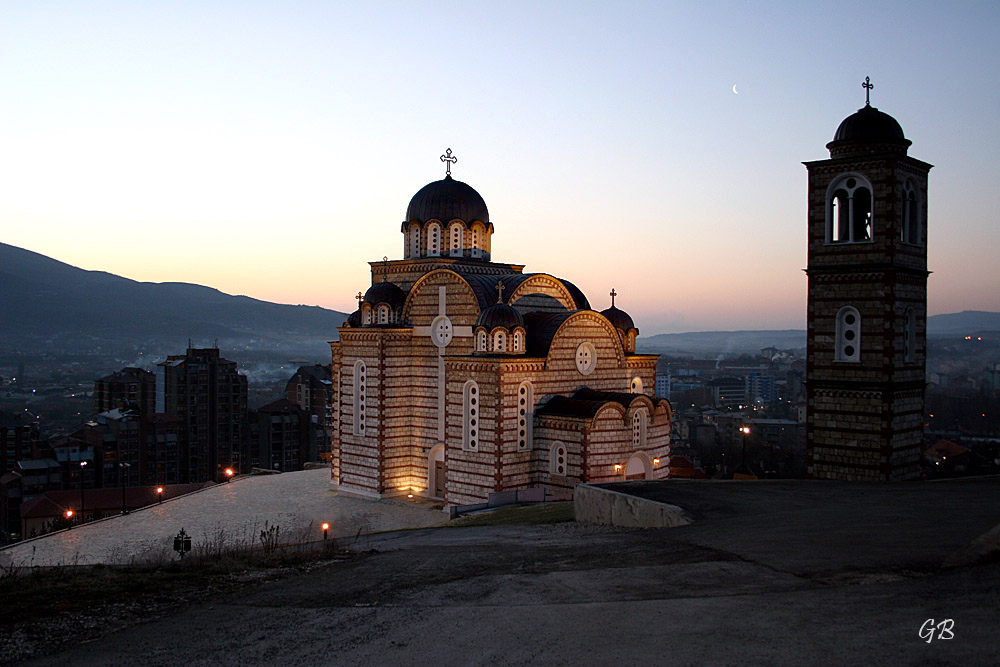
(446, 200)
(867, 126)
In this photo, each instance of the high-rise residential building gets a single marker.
(281, 435)
(208, 396)
(132, 388)
(867, 313)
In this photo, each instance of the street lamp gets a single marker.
(83, 464)
(745, 430)
(122, 467)
(159, 494)
(326, 530)
(229, 473)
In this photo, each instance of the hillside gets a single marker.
(48, 304)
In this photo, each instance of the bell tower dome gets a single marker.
(867, 306)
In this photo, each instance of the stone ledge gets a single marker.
(593, 504)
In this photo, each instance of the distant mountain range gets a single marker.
(750, 342)
(49, 305)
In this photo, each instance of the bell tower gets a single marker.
(867, 312)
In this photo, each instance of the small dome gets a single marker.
(446, 200)
(385, 292)
(354, 319)
(867, 126)
(618, 318)
(500, 315)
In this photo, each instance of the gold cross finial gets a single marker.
(500, 289)
(613, 295)
(359, 297)
(449, 160)
(868, 85)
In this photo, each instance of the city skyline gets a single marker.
(655, 150)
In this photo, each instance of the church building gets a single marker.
(867, 317)
(459, 376)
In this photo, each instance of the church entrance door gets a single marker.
(436, 472)
(439, 479)
(636, 468)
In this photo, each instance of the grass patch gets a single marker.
(51, 593)
(520, 516)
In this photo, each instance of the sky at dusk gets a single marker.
(270, 149)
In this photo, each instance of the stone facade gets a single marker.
(458, 376)
(867, 311)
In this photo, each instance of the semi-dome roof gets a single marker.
(618, 318)
(867, 125)
(446, 200)
(500, 315)
(385, 292)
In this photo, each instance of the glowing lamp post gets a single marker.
(326, 530)
(745, 430)
(228, 473)
(159, 494)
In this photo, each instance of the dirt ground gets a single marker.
(825, 574)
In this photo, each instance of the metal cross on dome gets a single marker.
(613, 295)
(359, 297)
(449, 160)
(385, 268)
(500, 289)
(868, 85)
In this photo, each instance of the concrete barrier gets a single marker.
(984, 548)
(593, 504)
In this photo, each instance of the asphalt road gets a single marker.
(773, 573)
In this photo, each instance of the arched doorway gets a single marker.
(639, 467)
(435, 472)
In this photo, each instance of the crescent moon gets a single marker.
(735, 92)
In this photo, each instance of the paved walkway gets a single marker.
(233, 513)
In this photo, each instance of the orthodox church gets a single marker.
(459, 376)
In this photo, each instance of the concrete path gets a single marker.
(297, 502)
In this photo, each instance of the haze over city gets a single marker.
(270, 150)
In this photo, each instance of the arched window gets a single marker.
(525, 415)
(476, 239)
(630, 342)
(639, 419)
(456, 239)
(470, 416)
(360, 396)
(636, 386)
(848, 335)
(500, 341)
(910, 336)
(909, 231)
(849, 210)
(557, 458)
(434, 239)
(366, 313)
(414, 250)
(519, 341)
(481, 340)
(383, 313)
